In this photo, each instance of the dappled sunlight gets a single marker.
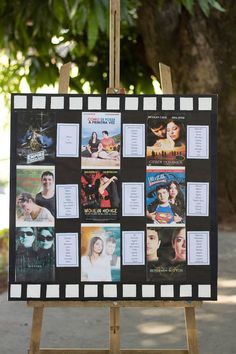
(157, 312)
(226, 283)
(155, 328)
(147, 343)
(225, 299)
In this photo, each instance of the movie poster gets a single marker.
(100, 252)
(100, 141)
(35, 196)
(166, 141)
(100, 195)
(35, 138)
(165, 196)
(35, 254)
(166, 254)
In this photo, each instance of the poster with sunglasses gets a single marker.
(166, 254)
(165, 196)
(101, 133)
(166, 141)
(35, 138)
(100, 252)
(100, 195)
(35, 254)
(35, 197)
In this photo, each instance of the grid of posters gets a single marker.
(112, 198)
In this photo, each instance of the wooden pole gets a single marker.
(114, 49)
(166, 81)
(64, 78)
(36, 330)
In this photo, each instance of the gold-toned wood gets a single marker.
(191, 330)
(115, 304)
(114, 330)
(154, 351)
(73, 351)
(36, 330)
(166, 81)
(114, 48)
(64, 78)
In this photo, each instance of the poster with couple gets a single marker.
(165, 196)
(101, 142)
(166, 141)
(166, 254)
(100, 195)
(35, 196)
(100, 252)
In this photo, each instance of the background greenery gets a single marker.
(197, 38)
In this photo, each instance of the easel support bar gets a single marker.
(114, 47)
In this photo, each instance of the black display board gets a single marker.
(113, 197)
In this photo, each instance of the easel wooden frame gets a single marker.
(114, 338)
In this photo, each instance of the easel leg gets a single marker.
(191, 330)
(114, 330)
(36, 330)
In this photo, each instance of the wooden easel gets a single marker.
(114, 338)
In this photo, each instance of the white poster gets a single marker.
(67, 201)
(133, 199)
(67, 140)
(133, 140)
(67, 250)
(198, 142)
(133, 248)
(197, 199)
(198, 248)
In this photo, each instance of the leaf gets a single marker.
(59, 10)
(216, 5)
(188, 4)
(204, 5)
(101, 15)
(73, 9)
(81, 18)
(92, 29)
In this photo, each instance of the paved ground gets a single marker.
(140, 328)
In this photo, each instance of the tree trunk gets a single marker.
(201, 52)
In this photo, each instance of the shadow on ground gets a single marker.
(140, 328)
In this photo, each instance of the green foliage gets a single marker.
(205, 5)
(38, 36)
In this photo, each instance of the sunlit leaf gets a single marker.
(92, 29)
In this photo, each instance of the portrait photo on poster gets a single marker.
(36, 138)
(35, 254)
(166, 141)
(165, 195)
(101, 144)
(166, 254)
(100, 252)
(35, 195)
(100, 195)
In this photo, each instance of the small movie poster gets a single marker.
(35, 196)
(100, 141)
(35, 254)
(100, 252)
(100, 195)
(165, 196)
(35, 138)
(166, 141)
(166, 254)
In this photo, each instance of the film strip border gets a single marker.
(109, 102)
(110, 292)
